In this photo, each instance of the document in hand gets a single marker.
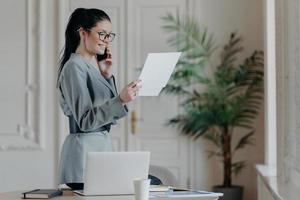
(156, 72)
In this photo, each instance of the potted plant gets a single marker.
(217, 99)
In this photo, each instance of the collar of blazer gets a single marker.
(98, 75)
(102, 79)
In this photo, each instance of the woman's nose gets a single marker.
(106, 40)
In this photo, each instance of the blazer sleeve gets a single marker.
(112, 82)
(73, 85)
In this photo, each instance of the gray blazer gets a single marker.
(92, 105)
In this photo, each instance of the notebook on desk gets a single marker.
(41, 194)
(112, 173)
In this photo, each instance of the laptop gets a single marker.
(112, 173)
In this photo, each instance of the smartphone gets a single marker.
(103, 56)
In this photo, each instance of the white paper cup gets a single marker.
(141, 189)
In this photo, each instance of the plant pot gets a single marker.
(234, 192)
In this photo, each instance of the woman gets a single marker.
(87, 91)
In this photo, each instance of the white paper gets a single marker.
(156, 72)
(199, 194)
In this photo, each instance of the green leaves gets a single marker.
(187, 36)
(230, 50)
(237, 167)
(196, 46)
(215, 105)
(245, 140)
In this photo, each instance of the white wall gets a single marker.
(221, 18)
(28, 134)
(287, 64)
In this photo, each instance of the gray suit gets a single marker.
(92, 105)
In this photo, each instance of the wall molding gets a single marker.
(31, 135)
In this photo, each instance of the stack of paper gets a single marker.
(203, 195)
(160, 188)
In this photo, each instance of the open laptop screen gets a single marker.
(112, 173)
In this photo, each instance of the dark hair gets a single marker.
(81, 17)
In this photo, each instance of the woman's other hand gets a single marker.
(130, 92)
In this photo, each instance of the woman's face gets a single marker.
(93, 43)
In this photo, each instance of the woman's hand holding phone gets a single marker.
(105, 63)
(130, 91)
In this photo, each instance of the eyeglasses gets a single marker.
(104, 35)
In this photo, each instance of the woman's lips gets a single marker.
(101, 48)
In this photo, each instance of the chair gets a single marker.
(164, 175)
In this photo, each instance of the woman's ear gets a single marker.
(82, 33)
